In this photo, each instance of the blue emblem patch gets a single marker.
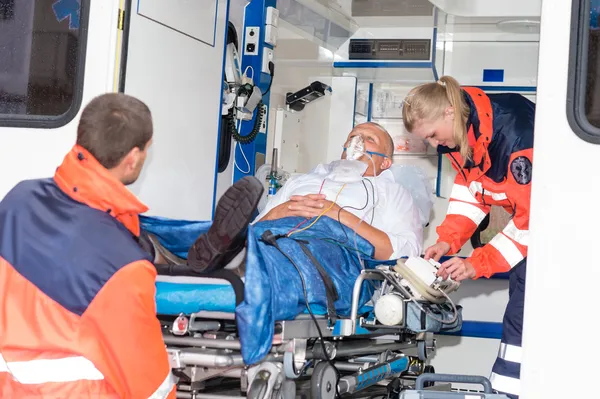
(521, 169)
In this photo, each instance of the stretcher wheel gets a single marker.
(323, 381)
(422, 350)
(258, 389)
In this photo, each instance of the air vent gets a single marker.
(391, 8)
(390, 49)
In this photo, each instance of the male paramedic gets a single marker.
(77, 305)
(345, 190)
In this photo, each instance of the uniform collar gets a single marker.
(479, 132)
(83, 179)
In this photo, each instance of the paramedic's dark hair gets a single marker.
(113, 124)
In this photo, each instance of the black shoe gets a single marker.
(154, 248)
(227, 235)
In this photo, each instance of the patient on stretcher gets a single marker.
(345, 191)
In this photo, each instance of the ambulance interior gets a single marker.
(321, 66)
(490, 45)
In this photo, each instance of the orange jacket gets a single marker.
(500, 131)
(77, 306)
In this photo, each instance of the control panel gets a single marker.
(390, 49)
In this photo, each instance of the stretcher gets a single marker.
(356, 353)
(229, 336)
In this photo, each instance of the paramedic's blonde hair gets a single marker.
(428, 102)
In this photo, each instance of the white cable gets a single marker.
(237, 145)
(434, 317)
(429, 293)
(371, 209)
(246, 74)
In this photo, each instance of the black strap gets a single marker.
(330, 291)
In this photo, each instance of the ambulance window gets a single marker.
(42, 53)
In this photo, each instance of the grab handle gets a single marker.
(460, 378)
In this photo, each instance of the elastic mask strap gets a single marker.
(376, 153)
(371, 153)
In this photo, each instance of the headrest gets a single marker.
(415, 180)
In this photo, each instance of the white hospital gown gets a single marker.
(395, 214)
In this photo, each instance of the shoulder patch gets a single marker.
(521, 169)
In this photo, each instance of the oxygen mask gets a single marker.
(356, 148)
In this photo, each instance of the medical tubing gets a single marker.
(372, 208)
(339, 215)
(319, 217)
(427, 292)
(271, 239)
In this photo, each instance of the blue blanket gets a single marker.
(273, 288)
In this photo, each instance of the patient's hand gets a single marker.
(307, 206)
(312, 205)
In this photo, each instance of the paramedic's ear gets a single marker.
(134, 159)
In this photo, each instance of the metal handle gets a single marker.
(465, 379)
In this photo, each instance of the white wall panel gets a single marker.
(197, 19)
(466, 61)
(179, 78)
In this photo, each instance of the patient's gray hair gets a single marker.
(389, 145)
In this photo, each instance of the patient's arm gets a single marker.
(377, 238)
(309, 206)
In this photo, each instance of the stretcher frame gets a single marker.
(364, 352)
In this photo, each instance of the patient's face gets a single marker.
(376, 140)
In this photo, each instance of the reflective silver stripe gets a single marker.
(497, 196)
(43, 371)
(3, 368)
(508, 249)
(520, 236)
(477, 187)
(462, 193)
(510, 353)
(505, 384)
(165, 388)
(468, 210)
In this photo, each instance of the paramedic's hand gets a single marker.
(437, 251)
(459, 269)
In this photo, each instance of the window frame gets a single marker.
(57, 121)
(577, 73)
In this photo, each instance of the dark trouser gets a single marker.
(507, 369)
